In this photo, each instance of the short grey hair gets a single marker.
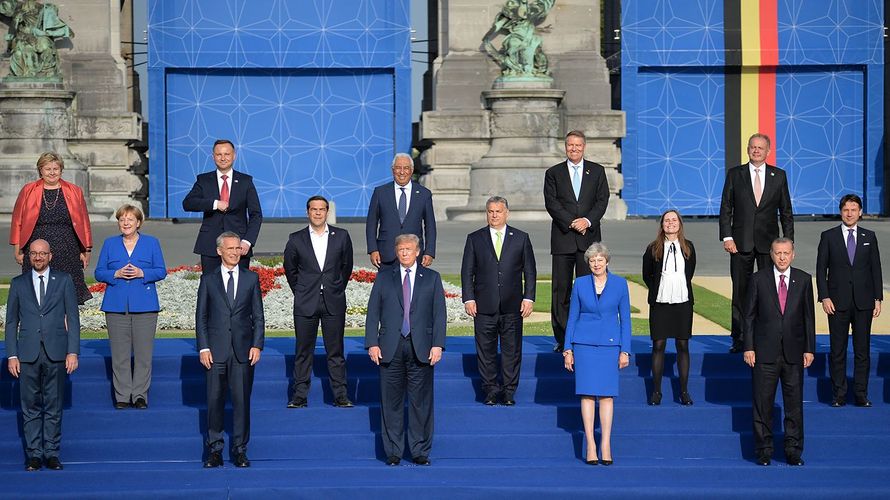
(597, 249)
(224, 235)
(497, 199)
(402, 155)
(758, 135)
(402, 238)
(781, 241)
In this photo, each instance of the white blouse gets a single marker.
(672, 288)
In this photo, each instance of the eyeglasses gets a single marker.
(39, 254)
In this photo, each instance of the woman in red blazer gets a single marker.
(54, 210)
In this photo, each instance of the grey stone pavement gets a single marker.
(626, 240)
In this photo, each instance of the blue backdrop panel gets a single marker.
(299, 133)
(315, 94)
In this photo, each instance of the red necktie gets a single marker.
(224, 191)
(783, 293)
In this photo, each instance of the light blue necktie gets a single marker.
(403, 205)
(576, 181)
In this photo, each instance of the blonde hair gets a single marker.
(129, 208)
(50, 157)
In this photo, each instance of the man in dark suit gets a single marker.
(42, 343)
(780, 339)
(753, 194)
(318, 264)
(498, 276)
(230, 329)
(405, 336)
(400, 207)
(576, 195)
(229, 202)
(850, 287)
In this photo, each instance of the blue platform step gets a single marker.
(532, 450)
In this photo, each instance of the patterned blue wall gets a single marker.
(829, 96)
(315, 95)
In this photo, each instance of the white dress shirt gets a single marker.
(35, 280)
(398, 191)
(225, 277)
(494, 235)
(413, 277)
(571, 166)
(846, 232)
(672, 287)
(787, 275)
(320, 245)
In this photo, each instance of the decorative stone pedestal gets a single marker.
(35, 117)
(525, 141)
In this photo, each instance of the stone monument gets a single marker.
(499, 138)
(70, 101)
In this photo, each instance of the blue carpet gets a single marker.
(532, 450)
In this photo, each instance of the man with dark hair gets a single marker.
(576, 194)
(753, 195)
(780, 339)
(229, 202)
(850, 287)
(318, 264)
(498, 276)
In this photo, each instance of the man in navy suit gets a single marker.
(780, 339)
(400, 207)
(230, 330)
(42, 343)
(850, 287)
(498, 276)
(229, 202)
(755, 199)
(576, 195)
(405, 336)
(318, 264)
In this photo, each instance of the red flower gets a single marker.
(98, 288)
(363, 276)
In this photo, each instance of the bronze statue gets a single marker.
(34, 29)
(521, 53)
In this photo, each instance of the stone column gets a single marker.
(35, 117)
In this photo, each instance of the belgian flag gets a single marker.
(751, 41)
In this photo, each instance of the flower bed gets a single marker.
(178, 294)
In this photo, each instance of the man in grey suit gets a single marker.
(42, 342)
(230, 329)
(405, 336)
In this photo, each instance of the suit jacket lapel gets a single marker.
(413, 200)
(586, 180)
(565, 179)
(307, 241)
(745, 181)
(241, 288)
(769, 183)
(397, 278)
(418, 279)
(774, 292)
(221, 288)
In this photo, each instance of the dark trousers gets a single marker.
(488, 329)
(406, 373)
(237, 379)
(209, 262)
(741, 266)
(838, 326)
(766, 375)
(566, 267)
(306, 331)
(42, 391)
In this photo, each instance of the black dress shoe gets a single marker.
(606, 462)
(491, 399)
(763, 460)
(32, 464)
(557, 348)
(685, 399)
(393, 460)
(794, 460)
(863, 403)
(213, 460)
(343, 402)
(838, 402)
(121, 405)
(241, 460)
(655, 399)
(53, 463)
(297, 403)
(421, 461)
(508, 400)
(140, 404)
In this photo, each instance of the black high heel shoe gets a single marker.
(592, 462)
(685, 399)
(605, 462)
(655, 399)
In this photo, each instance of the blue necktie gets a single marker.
(230, 288)
(403, 205)
(406, 302)
(576, 181)
(851, 245)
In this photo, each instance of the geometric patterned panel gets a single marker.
(831, 32)
(820, 130)
(819, 141)
(297, 132)
(672, 33)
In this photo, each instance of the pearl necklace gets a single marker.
(50, 206)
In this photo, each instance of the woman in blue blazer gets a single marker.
(597, 345)
(131, 264)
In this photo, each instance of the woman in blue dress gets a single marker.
(598, 345)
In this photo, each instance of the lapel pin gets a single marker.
(772, 174)
(510, 233)
(587, 172)
(332, 233)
